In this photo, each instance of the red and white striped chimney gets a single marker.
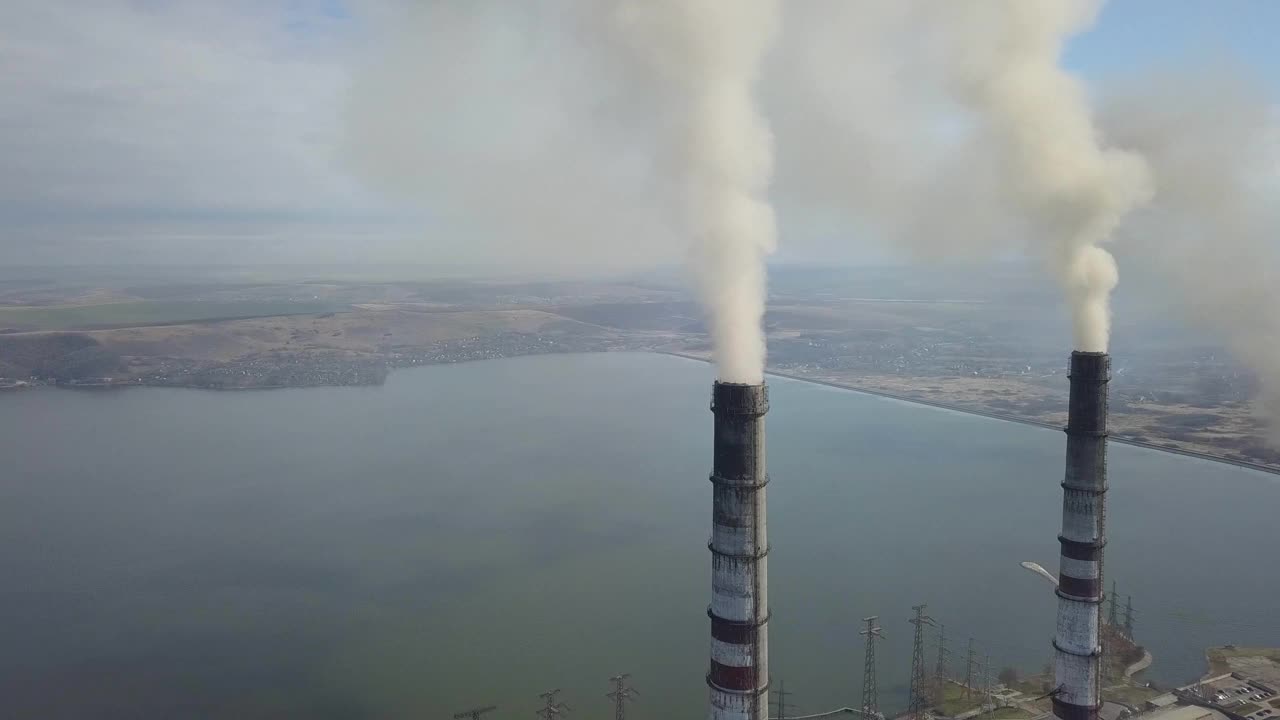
(739, 674)
(1077, 642)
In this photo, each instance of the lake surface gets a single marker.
(475, 534)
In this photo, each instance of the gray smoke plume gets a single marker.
(704, 58)
(1213, 143)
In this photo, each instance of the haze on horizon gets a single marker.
(553, 137)
(193, 132)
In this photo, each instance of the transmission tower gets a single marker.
(968, 671)
(870, 697)
(986, 671)
(552, 707)
(1109, 633)
(1114, 611)
(941, 671)
(1128, 618)
(782, 707)
(918, 700)
(474, 713)
(620, 695)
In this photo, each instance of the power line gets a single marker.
(918, 701)
(1113, 615)
(870, 695)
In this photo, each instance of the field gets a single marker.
(363, 330)
(1220, 657)
(146, 312)
(954, 701)
(1033, 687)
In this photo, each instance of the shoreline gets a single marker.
(1245, 464)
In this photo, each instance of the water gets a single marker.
(479, 533)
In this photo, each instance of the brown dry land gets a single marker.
(943, 352)
(1231, 432)
(342, 348)
(371, 330)
(1257, 662)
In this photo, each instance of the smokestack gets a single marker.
(1077, 642)
(739, 675)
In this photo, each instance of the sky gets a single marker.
(1132, 34)
(175, 131)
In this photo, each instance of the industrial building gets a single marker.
(1238, 695)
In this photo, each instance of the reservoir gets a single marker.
(476, 534)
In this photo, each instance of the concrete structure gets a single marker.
(1185, 712)
(739, 674)
(1235, 694)
(1114, 711)
(1161, 701)
(1077, 642)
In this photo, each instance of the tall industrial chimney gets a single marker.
(739, 675)
(1077, 642)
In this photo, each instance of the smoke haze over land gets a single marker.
(519, 136)
(577, 165)
(507, 124)
(1073, 190)
(704, 57)
(956, 134)
(1214, 150)
(559, 176)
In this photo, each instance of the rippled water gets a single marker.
(475, 534)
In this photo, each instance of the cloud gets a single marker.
(129, 123)
(126, 105)
(508, 124)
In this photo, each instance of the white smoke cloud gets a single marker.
(584, 132)
(1211, 138)
(592, 132)
(184, 105)
(952, 131)
(704, 57)
(1073, 188)
(508, 124)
